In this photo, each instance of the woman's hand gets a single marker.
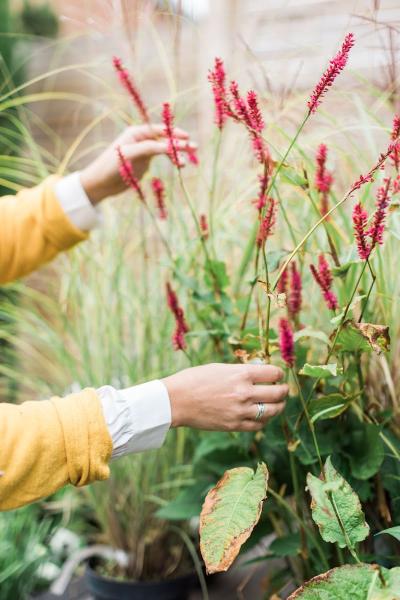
(139, 144)
(225, 397)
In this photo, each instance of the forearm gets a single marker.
(34, 228)
(48, 444)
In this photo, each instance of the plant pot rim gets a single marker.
(91, 572)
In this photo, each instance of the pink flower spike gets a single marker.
(217, 79)
(283, 282)
(128, 176)
(128, 84)
(255, 112)
(395, 156)
(324, 279)
(323, 178)
(294, 297)
(168, 121)
(336, 65)
(181, 327)
(378, 225)
(204, 226)
(159, 194)
(360, 220)
(192, 155)
(286, 342)
(267, 223)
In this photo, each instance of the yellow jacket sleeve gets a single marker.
(47, 444)
(33, 229)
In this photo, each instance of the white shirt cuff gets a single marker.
(137, 418)
(75, 202)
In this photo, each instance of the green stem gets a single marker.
(312, 538)
(268, 317)
(213, 185)
(310, 423)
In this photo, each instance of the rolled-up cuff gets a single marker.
(138, 418)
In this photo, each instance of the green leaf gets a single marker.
(186, 505)
(274, 258)
(342, 270)
(393, 531)
(215, 272)
(328, 407)
(367, 451)
(211, 442)
(320, 371)
(358, 582)
(288, 545)
(289, 175)
(355, 337)
(336, 508)
(337, 318)
(230, 511)
(311, 333)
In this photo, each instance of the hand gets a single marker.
(139, 144)
(224, 397)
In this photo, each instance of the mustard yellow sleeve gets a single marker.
(33, 229)
(47, 444)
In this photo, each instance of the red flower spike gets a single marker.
(395, 156)
(283, 282)
(128, 176)
(159, 194)
(323, 178)
(204, 226)
(360, 220)
(294, 297)
(336, 65)
(192, 155)
(168, 121)
(267, 223)
(256, 117)
(324, 279)
(378, 224)
(286, 342)
(128, 84)
(217, 79)
(181, 327)
(261, 200)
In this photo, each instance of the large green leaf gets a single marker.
(367, 451)
(214, 441)
(320, 371)
(230, 511)
(355, 582)
(393, 531)
(288, 545)
(336, 508)
(186, 505)
(328, 407)
(354, 337)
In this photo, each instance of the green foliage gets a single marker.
(336, 509)
(359, 582)
(39, 19)
(230, 512)
(319, 371)
(23, 549)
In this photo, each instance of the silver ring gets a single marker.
(260, 411)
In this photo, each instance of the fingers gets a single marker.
(153, 131)
(271, 410)
(149, 148)
(267, 394)
(263, 373)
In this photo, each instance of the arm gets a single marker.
(38, 223)
(48, 444)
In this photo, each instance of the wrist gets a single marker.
(93, 190)
(175, 398)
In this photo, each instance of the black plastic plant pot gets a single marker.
(105, 588)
